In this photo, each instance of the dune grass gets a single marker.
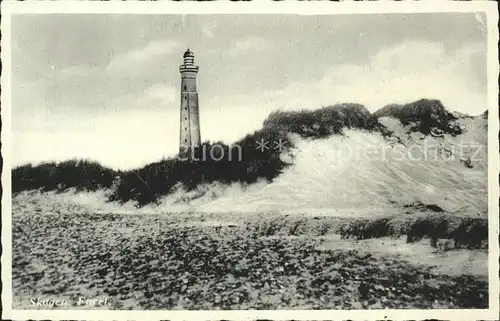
(422, 116)
(323, 122)
(467, 232)
(52, 176)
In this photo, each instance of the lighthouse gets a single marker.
(190, 114)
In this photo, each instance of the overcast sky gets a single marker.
(106, 87)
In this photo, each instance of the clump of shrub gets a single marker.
(52, 176)
(471, 233)
(467, 232)
(433, 227)
(323, 122)
(424, 207)
(366, 228)
(422, 116)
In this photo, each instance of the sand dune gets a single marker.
(362, 173)
(358, 174)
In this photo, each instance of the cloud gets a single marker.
(135, 79)
(159, 95)
(138, 56)
(78, 70)
(207, 30)
(147, 123)
(409, 71)
(125, 140)
(398, 74)
(136, 130)
(164, 92)
(481, 19)
(251, 44)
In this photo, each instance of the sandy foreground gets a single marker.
(63, 251)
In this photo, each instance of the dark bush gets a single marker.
(367, 228)
(467, 232)
(471, 233)
(79, 174)
(423, 116)
(433, 227)
(322, 122)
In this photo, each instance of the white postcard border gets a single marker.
(222, 7)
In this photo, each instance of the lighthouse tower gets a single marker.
(190, 114)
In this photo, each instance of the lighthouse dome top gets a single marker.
(188, 53)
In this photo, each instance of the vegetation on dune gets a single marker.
(467, 232)
(52, 176)
(208, 163)
(322, 122)
(424, 207)
(423, 116)
(368, 228)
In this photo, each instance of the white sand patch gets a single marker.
(453, 262)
